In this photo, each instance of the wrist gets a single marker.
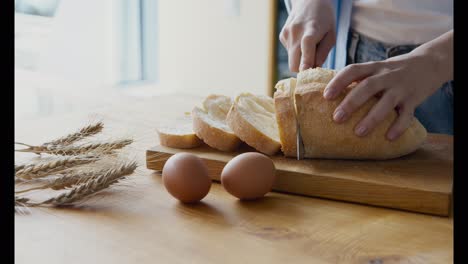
(440, 54)
(430, 63)
(441, 64)
(298, 2)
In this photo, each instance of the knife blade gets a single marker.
(299, 143)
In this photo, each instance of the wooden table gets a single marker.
(141, 223)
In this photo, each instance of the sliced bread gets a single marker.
(285, 105)
(285, 115)
(210, 125)
(179, 134)
(253, 120)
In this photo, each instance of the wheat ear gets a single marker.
(20, 204)
(19, 167)
(98, 148)
(91, 186)
(32, 171)
(82, 133)
(67, 179)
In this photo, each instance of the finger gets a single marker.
(404, 120)
(377, 114)
(324, 47)
(285, 33)
(357, 97)
(283, 37)
(294, 56)
(346, 76)
(308, 45)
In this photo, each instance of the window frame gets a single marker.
(138, 49)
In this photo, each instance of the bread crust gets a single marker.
(248, 133)
(214, 137)
(318, 74)
(324, 138)
(185, 141)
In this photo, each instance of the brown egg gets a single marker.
(185, 177)
(249, 175)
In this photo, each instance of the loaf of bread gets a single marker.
(210, 125)
(270, 124)
(253, 120)
(324, 138)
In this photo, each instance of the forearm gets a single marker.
(440, 50)
(291, 3)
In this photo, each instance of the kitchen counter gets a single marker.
(139, 222)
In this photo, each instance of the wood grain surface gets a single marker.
(420, 182)
(139, 222)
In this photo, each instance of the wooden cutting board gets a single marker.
(419, 182)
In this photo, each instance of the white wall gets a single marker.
(82, 44)
(204, 49)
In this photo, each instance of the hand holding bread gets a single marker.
(324, 138)
(403, 82)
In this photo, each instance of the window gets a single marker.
(139, 41)
(283, 71)
(32, 27)
(38, 7)
(130, 24)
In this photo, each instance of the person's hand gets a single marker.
(402, 83)
(309, 33)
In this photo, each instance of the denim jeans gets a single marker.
(436, 112)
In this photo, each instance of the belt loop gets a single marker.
(399, 50)
(352, 47)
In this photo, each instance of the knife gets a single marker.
(299, 143)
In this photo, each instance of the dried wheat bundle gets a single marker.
(91, 186)
(68, 170)
(31, 171)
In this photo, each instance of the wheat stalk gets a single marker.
(67, 179)
(99, 148)
(91, 186)
(82, 133)
(20, 204)
(19, 167)
(32, 171)
(20, 200)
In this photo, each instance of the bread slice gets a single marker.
(285, 105)
(253, 119)
(178, 135)
(285, 115)
(210, 125)
(323, 138)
